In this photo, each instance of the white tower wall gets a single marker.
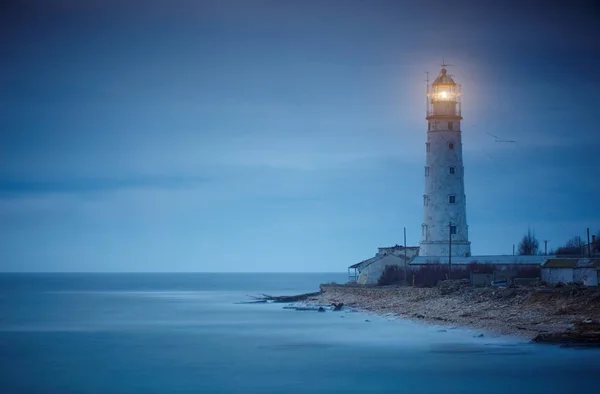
(444, 199)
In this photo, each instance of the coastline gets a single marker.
(529, 313)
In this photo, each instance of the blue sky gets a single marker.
(283, 135)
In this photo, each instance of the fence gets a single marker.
(430, 275)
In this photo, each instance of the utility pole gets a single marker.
(513, 249)
(449, 249)
(405, 261)
(545, 247)
(589, 245)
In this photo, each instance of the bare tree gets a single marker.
(596, 244)
(572, 247)
(529, 244)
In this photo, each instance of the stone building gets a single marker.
(444, 200)
(369, 271)
(570, 270)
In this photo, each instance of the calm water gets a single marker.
(183, 333)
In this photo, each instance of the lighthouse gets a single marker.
(444, 230)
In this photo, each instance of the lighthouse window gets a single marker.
(452, 199)
(451, 170)
(426, 171)
(453, 230)
(450, 125)
(451, 146)
(428, 147)
(425, 200)
(424, 230)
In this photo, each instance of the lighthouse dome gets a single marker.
(444, 79)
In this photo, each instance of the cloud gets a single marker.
(263, 215)
(97, 185)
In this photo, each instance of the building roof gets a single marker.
(560, 263)
(397, 247)
(588, 263)
(365, 263)
(383, 251)
(444, 79)
(572, 263)
(499, 260)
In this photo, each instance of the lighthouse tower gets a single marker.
(444, 201)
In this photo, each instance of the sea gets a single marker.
(190, 333)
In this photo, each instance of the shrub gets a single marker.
(392, 274)
(479, 268)
(430, 274)
(528, 272)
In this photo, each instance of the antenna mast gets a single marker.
(427, 94)
(444, 65)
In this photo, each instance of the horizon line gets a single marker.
(169, 272)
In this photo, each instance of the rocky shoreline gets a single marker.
(566, 315)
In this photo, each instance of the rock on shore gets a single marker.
(525, 311)
(584, 333)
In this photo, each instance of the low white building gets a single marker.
(569, 270)
(369, 271)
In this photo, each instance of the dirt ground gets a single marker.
(522, 311)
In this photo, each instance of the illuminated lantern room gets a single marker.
(443, 96)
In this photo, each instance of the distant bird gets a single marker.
(499, 140)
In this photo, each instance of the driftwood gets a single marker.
(302, 308)
(252, 302)
(294, 298)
